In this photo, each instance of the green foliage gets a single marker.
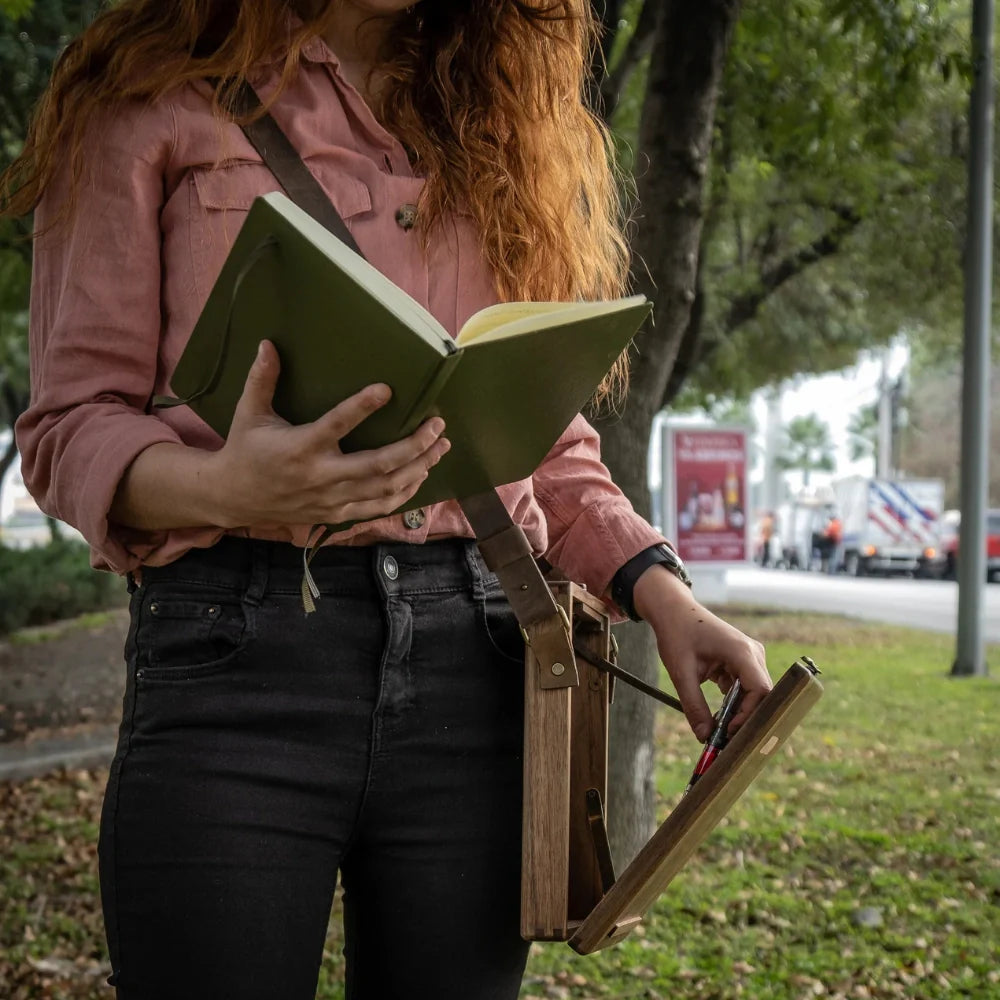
(32, 34)
(15, 9)
(626, 113)
(30, 43)
(51, 582)
(807, 447)
(836, 210)
(15, 280)
(862, 431)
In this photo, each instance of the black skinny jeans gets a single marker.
(262, 750)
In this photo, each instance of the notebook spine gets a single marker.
(424, 406)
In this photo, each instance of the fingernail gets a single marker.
(445, 445)
(260, 351)
(703, 731)
(382, 394)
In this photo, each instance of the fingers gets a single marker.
(420, 451)
(371, 483)
(367, 510)
(709, 649)
(749, 664)
(366, 483)
(345, 416)
(258, 391)
(688, 685)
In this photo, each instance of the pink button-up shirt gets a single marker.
(115, 295)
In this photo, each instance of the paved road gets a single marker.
(930, 604)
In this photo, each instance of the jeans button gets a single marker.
(390, 567)
(414, 519)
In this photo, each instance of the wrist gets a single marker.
(170, 485)
(624, 581)
(212, 483)
(660, 594)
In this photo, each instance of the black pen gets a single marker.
(719, 737)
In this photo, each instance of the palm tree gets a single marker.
(862, 431)
(807, 447)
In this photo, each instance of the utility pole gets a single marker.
(772, 445)
(883, 456)
(969, 654)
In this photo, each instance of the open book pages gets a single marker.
(508, 319)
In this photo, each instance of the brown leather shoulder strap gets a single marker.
(289, 169)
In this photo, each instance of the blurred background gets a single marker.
(797, 178)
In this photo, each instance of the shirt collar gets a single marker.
(314, 49)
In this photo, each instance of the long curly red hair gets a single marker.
(488, 94)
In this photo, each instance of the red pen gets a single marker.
(719, 737)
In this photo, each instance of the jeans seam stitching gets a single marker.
(118, 781)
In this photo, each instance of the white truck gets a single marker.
(797, 522)
(888, 525)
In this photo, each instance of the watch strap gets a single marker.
(624, 581)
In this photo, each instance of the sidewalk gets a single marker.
(73, 751)
(60, 695)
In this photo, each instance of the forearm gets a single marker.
(172, 486)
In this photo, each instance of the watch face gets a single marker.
(673, 560)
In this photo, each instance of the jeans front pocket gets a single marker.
(498, 620)
(188, 632)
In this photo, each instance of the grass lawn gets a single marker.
(864, 864)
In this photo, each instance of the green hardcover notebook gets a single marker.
(507, 387)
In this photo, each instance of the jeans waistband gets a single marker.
(257, 566)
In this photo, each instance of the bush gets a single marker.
(47, 583)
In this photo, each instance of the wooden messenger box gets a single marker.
(569, 891)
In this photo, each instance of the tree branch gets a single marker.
(639, 45)
(694, 348)
(607, 14)
(744, 307)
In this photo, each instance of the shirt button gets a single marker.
(406, 216)
(414, 518)
(390, 567)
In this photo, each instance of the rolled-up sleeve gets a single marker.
(94, 330)
(593, 530)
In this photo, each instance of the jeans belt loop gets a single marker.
(259, 566)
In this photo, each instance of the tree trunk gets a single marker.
(55, 532)
(689, 51)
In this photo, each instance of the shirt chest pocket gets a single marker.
(221, 198)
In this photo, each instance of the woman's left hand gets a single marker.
(697, 646)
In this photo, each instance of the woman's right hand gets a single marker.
(270, 471)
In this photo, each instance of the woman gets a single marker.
(262, 751)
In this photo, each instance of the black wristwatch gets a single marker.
(623, 582)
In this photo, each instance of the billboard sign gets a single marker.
(705, 493)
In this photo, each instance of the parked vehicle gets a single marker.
(889, 526)
(946, 565)
(798, 521)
